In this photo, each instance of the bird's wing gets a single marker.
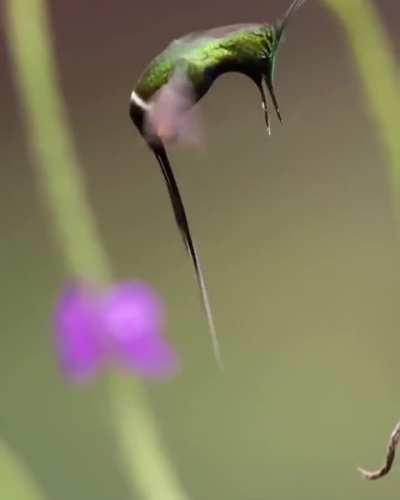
(171, 116)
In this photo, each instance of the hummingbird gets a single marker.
(161, 104)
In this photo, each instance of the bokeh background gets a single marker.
(299, 246)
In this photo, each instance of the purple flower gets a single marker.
(123, 326)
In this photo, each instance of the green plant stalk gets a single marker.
(15, 479)
(50, 140)
(378, 68)
(62, 187)
(379, 72)
(141, 449)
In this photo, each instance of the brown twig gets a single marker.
(390, 456)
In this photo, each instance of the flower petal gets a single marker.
(134, 316)
(79, 331)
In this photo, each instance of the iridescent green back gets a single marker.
(205, 55)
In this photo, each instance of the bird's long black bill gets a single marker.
(282, 23)
(182, 222)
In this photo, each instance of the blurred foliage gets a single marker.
(15, 480)
(379, 70)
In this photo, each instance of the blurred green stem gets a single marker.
(63, 189)
(15, 480)
(378, 68)
(154, 475)
(50, 139)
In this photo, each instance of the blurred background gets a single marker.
(299, 248)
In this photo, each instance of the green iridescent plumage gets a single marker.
(246, 47)
(179, 77)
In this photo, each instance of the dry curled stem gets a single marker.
(390, 456)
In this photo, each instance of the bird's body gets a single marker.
(243, 48)
(200, 58)
(179, 77)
